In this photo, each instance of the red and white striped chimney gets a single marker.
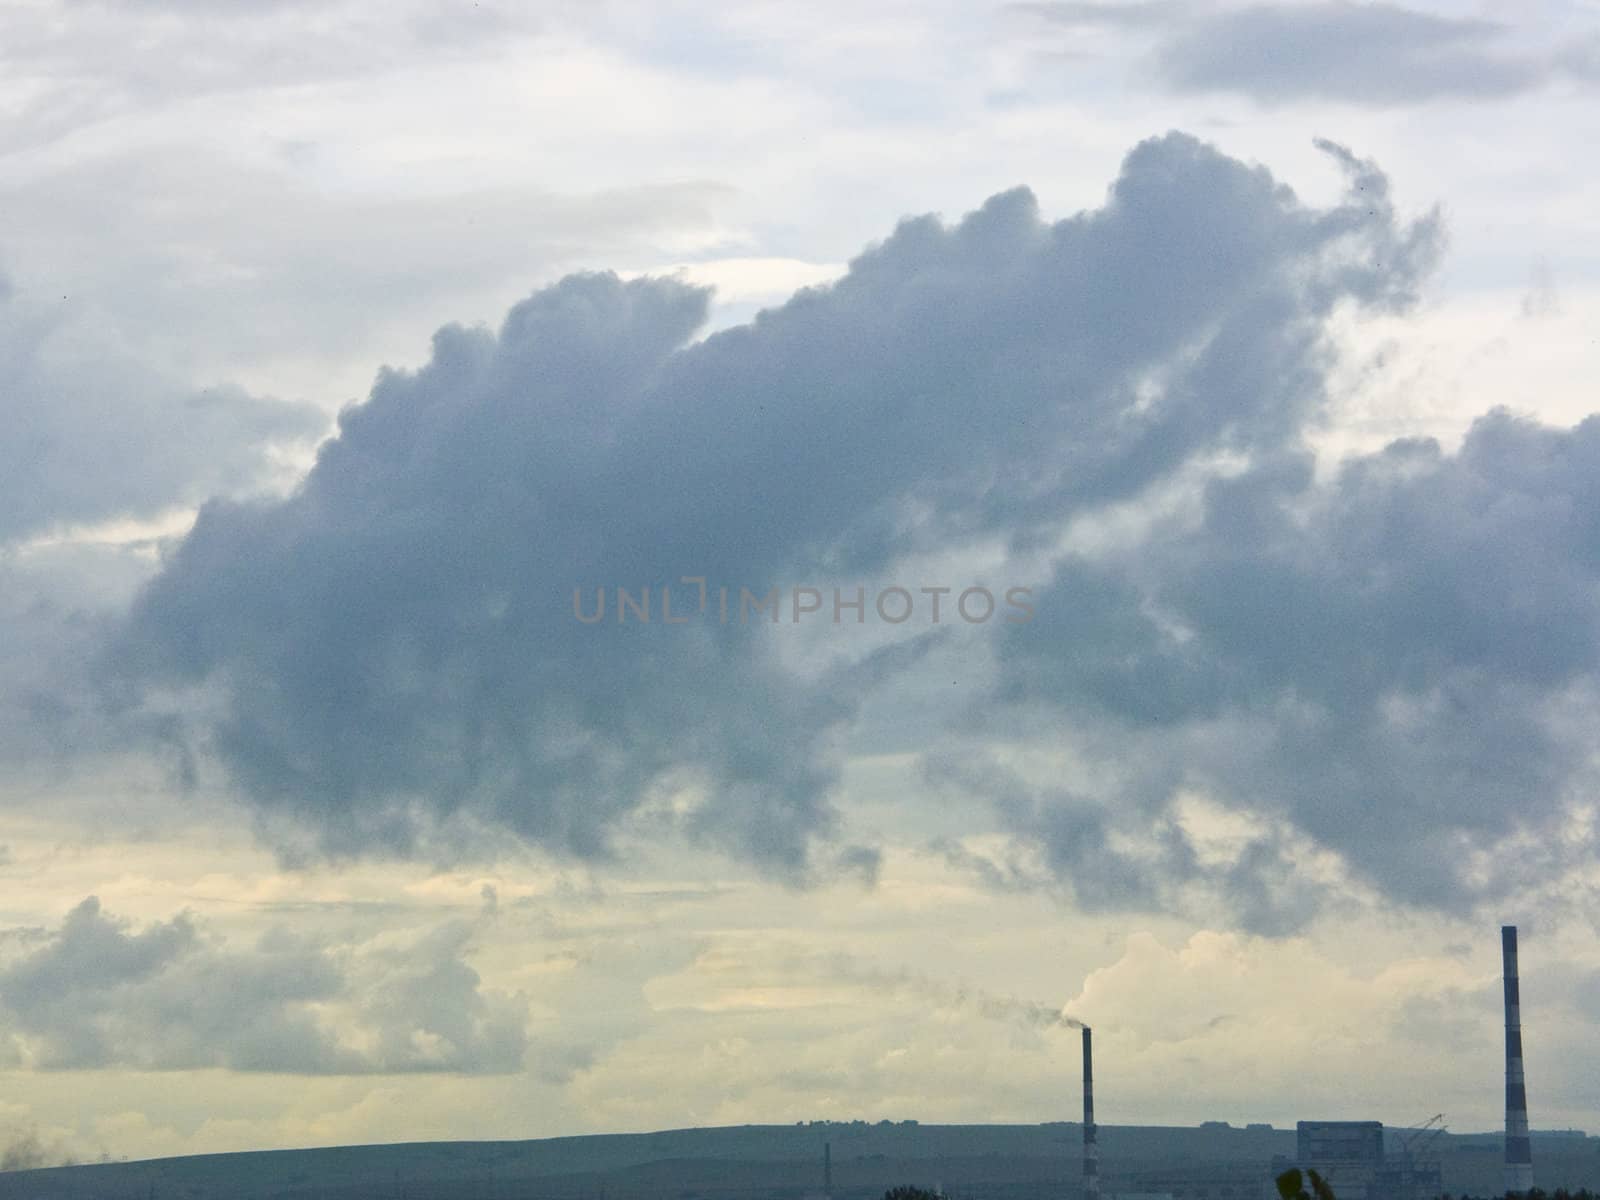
(1519, 1148)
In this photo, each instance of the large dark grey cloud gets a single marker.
(1400, 664)
(97, 993)
(92, 433)
(1362, 53)
(391, 657)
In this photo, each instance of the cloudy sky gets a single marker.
(342, 344)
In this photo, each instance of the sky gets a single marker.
(1223, 373)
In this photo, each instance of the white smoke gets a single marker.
(1011, 1010)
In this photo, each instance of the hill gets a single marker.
(772, 1162)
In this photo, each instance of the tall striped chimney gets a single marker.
(1519, 1151)
(1091, 1151)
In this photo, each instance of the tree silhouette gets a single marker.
(1291, 1186)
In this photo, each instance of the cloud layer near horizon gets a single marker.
(95, 993)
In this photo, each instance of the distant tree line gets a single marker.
(1291, 1186)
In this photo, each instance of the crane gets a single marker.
(1421, 1136)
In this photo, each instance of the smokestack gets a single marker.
(1091, 1151)
(1519, 1151)
(827, 1167)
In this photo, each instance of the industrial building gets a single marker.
(1332, 1142)
(1350, 1156)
